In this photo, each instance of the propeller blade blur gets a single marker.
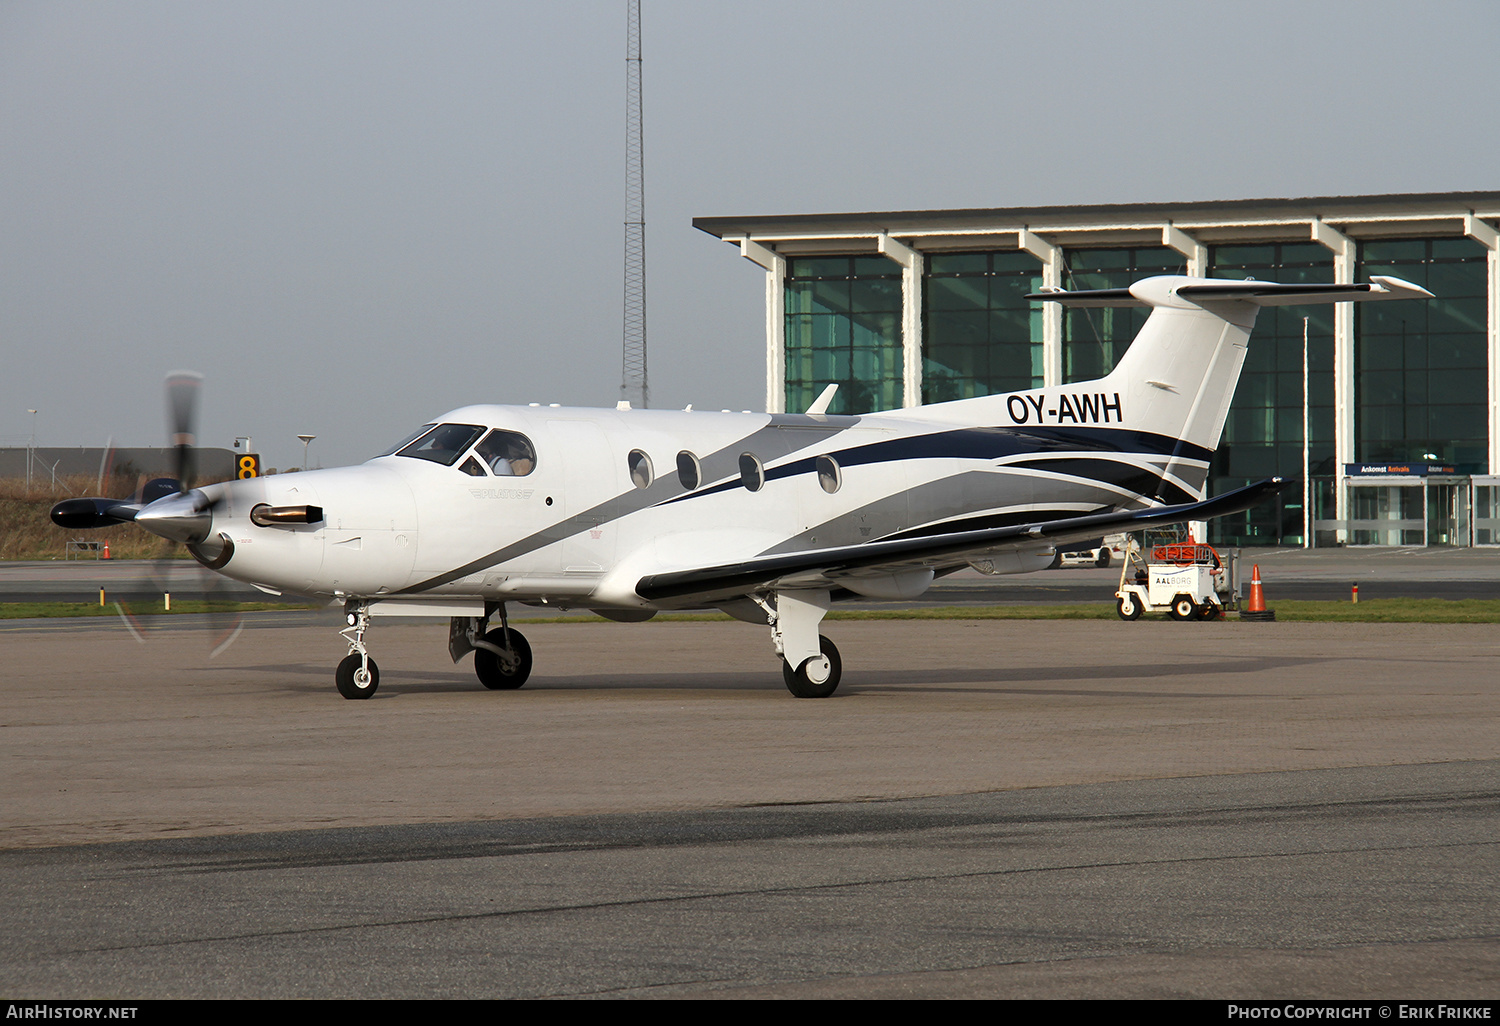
(183, 388)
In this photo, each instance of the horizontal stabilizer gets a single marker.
(1265, 293)
(1080, 298)
(1196, 291)
(738, 578)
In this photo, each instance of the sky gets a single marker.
(352, 217)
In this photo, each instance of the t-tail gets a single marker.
(1177, 379)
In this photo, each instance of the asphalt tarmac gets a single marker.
(985, 809)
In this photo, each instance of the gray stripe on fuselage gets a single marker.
(790, 433)
(972, 493)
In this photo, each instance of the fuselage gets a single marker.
(611, 496)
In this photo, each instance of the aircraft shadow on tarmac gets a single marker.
(312, 677)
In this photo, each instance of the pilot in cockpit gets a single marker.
(507, 454)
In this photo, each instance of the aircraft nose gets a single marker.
(184, 517)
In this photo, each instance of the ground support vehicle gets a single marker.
(1187, 581)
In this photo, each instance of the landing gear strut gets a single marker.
(357, 675)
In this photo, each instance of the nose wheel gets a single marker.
(358, 676)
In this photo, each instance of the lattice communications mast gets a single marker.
(633, 381)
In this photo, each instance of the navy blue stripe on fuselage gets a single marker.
(985, 443)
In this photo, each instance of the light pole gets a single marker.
(306, 441)
(1307, 518)
(30, 450)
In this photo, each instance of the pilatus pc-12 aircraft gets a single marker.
(768, 517)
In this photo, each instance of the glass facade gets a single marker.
(1263, 435)
(1419, 388)
(1094, 340)
(980, 335)
(1421, 368)
(843, 324)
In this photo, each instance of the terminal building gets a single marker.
(904, 308)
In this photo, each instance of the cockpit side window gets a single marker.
(507, 454)
(443, 444)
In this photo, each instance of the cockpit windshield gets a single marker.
(418, 433)
(444, 443)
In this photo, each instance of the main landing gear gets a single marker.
(502, 657)
(810, 663)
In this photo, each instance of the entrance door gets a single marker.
(1446, 523)
(589, 475)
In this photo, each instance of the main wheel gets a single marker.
(801, 682)
(1184, 608)
(1128, 606)
(503, 673)
(354, 680)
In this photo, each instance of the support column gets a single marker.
(775, 265)
(1485, 234)
(911, 316)
(1182, 242)
(1343, 250)
(1052, 314)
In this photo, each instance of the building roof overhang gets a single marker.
(1119, 224)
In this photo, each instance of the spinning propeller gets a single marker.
(172, 509)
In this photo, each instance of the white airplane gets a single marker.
(768, 517)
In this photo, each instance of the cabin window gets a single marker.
(688, 470)
(829, 475)
(507, 454)
(641, 471)
(443, 444)
(752, 474)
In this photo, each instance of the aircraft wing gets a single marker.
(738, 578)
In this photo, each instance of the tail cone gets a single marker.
(1255, 609)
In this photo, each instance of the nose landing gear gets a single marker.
(357, 675)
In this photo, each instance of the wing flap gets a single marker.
(738, 578)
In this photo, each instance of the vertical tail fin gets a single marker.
(1179, 375)
(1170, 392)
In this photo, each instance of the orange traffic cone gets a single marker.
(1255, 609)
(106, 551)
